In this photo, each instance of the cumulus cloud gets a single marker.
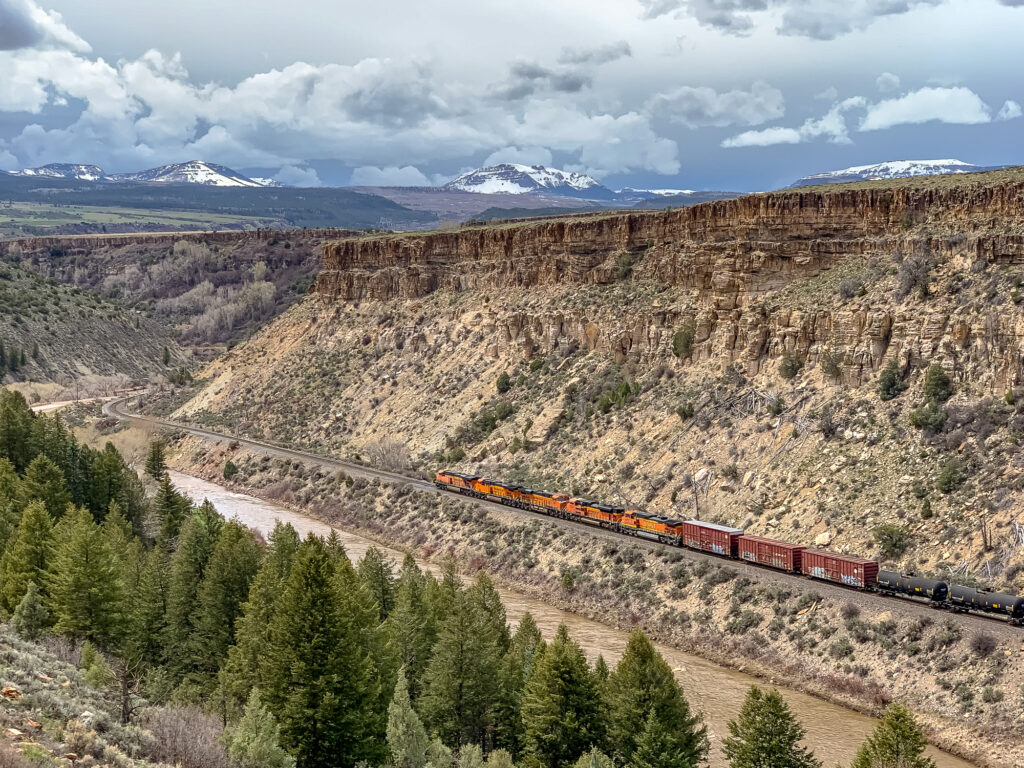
(391, 176)
(764, 138)
(602, 54)
(815, 19)
(527, 78)
(703, 107)
(535, 155)
(298, 176)
(17, 27)
(1010, 110)
(832, 126)
(887, 82)
(960, 106)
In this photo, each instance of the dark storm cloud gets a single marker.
(17, 27)
(601, 55)
(529, 77)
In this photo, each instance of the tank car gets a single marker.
(969, 599)
(915, 586)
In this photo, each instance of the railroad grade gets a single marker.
(874, 601)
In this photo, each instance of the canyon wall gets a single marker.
(734, 259)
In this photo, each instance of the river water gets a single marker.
(833, 732)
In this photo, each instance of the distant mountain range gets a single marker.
(515, 179)
(894, 169)
(192, 172)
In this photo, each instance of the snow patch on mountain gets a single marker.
(515, 179)
(893, 169)
(64, 171)
(192, 172)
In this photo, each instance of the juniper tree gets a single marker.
(643, 685)
(561, 710)
(319, 674)
(407, 738)
(766, 735)
(896, 742)
(85, 583)
(27, 555)
(255, 741)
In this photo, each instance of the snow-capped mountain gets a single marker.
(192, 172)
(65, 171)
(628, 193)
(894, 169)
(515, 179)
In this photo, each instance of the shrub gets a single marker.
(504, 383)
(841, 649)
(892, 540)
(829, 364)
(849, 288)
(983, 644)
(929, 417)
(926, 510)
(937, 386)
(849, 611)
(536, 364)
(623, 266)
(826, 423)
(951, 476)
(890, 382)
(913, 274)
(790, 366)
(682, 341)
(992, 695)
(185, 736)
(230, 470)
(685, 411)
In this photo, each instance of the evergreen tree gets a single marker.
(26, 557)
(413, 624)
(15, 429)
(31, 616)
(595, 758)
(255, 741)
(438, 755)
(147, 615)
(407, 738)
(561, 710)
(171, 510)
(897, 742)
(244, 666)
(188, 567)
(766, 735)
(471, 756)
(225, 588)
(11, 502)
(515, 670)
(460, 698)
(375, 572)
(641, 685)
(44, 481)
(320, 678)
(85, 583)
(156, 464)
(35, 350)
(500, 758)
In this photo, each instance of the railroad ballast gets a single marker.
(733, 543)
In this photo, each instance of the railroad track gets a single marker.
(870, 600)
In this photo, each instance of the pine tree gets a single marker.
(225, 588)
(641, 685)
(188, 567)
(407, 738)
(252, 630)
(255, 741)
(85, 583)
(147, 617)
(171, 510)
(515, 671)
(897, 742)
(156, 464)
(31, 616)
(413, 625)
(460, 698)
(375, 572)
(44, 481)
(766, 735)
(318, 671)
(562, 714)
(26, 557)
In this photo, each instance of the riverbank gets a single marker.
(829, 648)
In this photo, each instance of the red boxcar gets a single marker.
(709, 537)
(842, 569)
(771, 552)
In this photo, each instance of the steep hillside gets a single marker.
(207, 286)
(74, 338)
(721, 359)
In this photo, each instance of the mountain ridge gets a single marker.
(894, 169)
(189, 172)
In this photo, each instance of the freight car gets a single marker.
(733, 543)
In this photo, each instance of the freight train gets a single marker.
(733, 543)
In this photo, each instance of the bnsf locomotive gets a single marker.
(733, 543)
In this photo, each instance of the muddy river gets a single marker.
(834, 732)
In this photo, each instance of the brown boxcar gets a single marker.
(771, 552)
(710, 537)
(842, 569)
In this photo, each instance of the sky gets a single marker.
(737, 95)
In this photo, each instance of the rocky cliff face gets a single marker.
(735, 257)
